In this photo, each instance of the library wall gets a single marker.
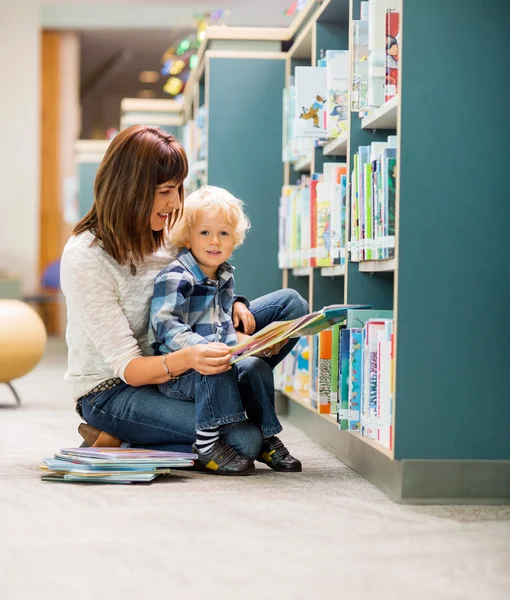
(245, 125)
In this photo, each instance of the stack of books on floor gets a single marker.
(112, 465)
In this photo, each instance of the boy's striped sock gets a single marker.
(206, 438)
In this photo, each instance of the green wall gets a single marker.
(244, 156)
(453, 399)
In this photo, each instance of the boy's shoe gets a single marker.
(221, 459)
(274, 454)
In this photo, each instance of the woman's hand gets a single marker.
(241, 314)
(210, 359)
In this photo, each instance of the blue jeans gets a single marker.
(247, 390)
(145, 417)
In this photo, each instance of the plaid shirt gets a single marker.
(188, 308)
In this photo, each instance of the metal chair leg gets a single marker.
(18, 400)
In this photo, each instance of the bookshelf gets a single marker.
(337, 147)
(384, 117)
(450, 412)
(303, 165)
(377, 266)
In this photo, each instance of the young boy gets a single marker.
(192, 304)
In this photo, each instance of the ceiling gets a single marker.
(111, 59)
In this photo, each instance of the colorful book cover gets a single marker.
(311, 96)
(335, 354)
(373, 328)
(337, 81)
(391, 182)
(302, 380)
(314, 382)
(392, 53)
(313, 220)
(324, 371)
(309, 324)
(323, 236)
(343, 378)
(355, 379)
(384, 385)
(338, 192)
(377, 49)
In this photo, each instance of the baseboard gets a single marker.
(409, 481)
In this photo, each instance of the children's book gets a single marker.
(311, 96)
(392, 44)
(279, 331)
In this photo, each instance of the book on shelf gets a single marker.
(337, 83)
(324, 371)
(377, 49)
(359, 90)
(311, 96)
(278, 331)
(373, 201)
(392, 52)
(351, 373)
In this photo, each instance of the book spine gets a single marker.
(343, 379)
(392, 54)
(335, 361)
(324, 371)
(355, 378)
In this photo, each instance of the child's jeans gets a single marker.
(245, 391)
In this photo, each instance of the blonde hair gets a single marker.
(212, 201)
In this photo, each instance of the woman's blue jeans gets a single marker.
(145, 417)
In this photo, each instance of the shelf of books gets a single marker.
(361, 220)
(396, 390)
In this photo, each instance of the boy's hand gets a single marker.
(241, 314)
(210, 359)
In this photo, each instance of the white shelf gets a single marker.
(337, 147)
(333, 271)
(301, 271)
(377, 266)
(384, 117)
(303, 164)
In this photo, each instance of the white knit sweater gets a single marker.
(107, 311)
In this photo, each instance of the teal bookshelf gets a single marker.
(451, 413)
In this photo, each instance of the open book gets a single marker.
(278, 331)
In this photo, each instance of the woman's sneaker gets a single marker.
(221, 459)
(274, 454)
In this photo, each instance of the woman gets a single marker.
(107, 273)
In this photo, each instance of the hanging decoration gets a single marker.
(179, 60)
(296, 7)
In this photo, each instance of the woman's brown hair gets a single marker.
(138, 159)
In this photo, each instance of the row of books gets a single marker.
(347, 371)
(312, 220)
(316, 103)
(112, 465)
(313, 226)
(372, 201)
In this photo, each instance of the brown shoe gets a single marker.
(96, 438)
